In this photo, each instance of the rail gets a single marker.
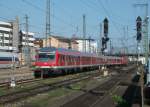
(14, 96)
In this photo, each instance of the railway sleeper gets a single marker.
(123, 83)
(99, 93)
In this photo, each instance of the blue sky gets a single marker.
(66, 17)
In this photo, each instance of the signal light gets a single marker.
(139, 36)
(104, 43)
(105, 27)
(139, 28)
(105, 39)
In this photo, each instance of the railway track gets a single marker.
(93, 96)
(6, 84)
(5, 77)
(90, 98)
(12, 97)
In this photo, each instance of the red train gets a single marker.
(58, 60)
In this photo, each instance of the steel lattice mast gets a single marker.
(48, 29)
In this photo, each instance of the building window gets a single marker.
(6, 44)
(1, 34)
(7, 38)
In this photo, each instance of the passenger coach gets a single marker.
(7, 59)
(58, 60)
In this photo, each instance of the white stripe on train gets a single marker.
(75, 66)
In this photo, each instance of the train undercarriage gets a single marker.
(50, 72)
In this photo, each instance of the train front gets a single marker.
(45, 61)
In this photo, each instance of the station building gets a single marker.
(60, 42)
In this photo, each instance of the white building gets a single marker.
(91, 45)
(6, 37)
(27, 47)
(27, 38)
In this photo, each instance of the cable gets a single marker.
(4, 18)
(9, 8)
(36, 7)
(95, 4)
(100, 2)
(90, 6)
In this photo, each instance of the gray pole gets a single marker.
(100, 43)
(145, 29)
(84, 33)
(127, 38)
(28, 58)
(89, 44)
(124, 34)
(146, 44)
(110, 47)
(48, 28)
(15, 25)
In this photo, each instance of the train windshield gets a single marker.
(46, 56)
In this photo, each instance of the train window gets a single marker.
(70, 59)
(78, 59)
(62, 58)
(46, 57)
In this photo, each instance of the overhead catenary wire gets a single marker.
(42, 10)
(93, 5)
(4, 18)
(109, 16)
(56, 18)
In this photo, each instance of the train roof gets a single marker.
(73, 52)
(62, 50)
(50, 49)
(8, 54)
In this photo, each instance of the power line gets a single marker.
(34, 6)
(95, 4)
(9, 8)
(4, 18)
(48, 27)
(100, 2)
(90, 6)
(42, 10)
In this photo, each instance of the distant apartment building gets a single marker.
(60, 42)
(26, 39)
(14, 40)
(27, 48)
(9, 36)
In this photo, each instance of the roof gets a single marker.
(29, 33)
(65, 39)
(62, 50)
(5, 23)
(76, 38)
(38, 39)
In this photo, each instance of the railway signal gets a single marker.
(105, 39)
(139, 28)
(104, 46)
(106, 27)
